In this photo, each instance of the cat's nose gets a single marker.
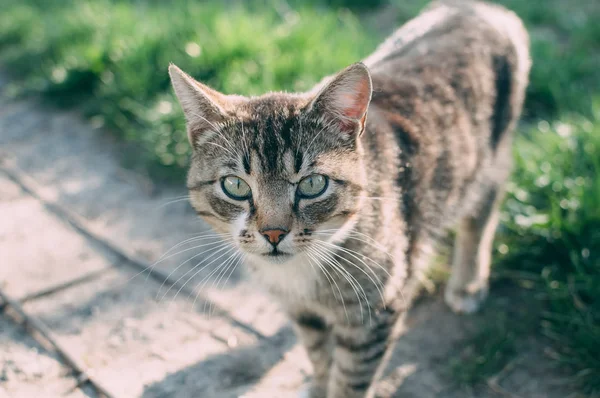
(274, 236)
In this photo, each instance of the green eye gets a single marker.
(312, 186)
(235, 188)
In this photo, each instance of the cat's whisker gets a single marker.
(325, 254)
(206, 278)
(220, 146)
(378, 285)
(354, 253)
(225, 246)
(229, 250)
(196, 237)
(231, 261)
(215, 129)
(150, 267)
(166, 255)
(185, 198)
(199, 286)
(201, 269)
(219, 243)
(217, 271)
(226, 264)
(357, 287)
(329, 278)
(376, 281)
(317, 256)
(196, 234)
(238, 260)
(314, 254)
(168, 277)
(211, 124)
(332, 283)
(375, 197)
(373, 242)
(308, 257)
(177, 197)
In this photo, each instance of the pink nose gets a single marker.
(273, 235)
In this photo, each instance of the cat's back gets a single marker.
(455, 50)
(447, 25)
(449, 86)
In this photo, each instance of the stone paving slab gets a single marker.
(79, 168)
(28, 370)
(35, 254)
(81, 172)
(114, 324)
(127, 338)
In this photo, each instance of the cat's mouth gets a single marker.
(277, 254)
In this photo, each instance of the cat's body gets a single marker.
(434, 152)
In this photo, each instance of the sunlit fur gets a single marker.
(414, 141)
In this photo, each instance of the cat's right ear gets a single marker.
(345, 99)
(204, 108)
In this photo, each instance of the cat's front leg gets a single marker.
(360, 354)
(315, 335)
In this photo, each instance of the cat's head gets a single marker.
(281, 173)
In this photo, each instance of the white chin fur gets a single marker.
(294, 278)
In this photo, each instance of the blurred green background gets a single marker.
(109, 58)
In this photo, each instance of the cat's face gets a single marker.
(280, 174)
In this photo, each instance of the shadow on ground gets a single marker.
(424, 363)
(418, 369)
(230, 374)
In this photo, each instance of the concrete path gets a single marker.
(76, 231)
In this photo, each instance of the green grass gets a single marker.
(549, 246)
(551, 229)
(565, 47)
(109, 58)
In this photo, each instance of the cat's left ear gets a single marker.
(345, 99)
(204, 108)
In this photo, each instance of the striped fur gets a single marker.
(443, 93)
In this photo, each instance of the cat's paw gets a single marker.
(465, 302)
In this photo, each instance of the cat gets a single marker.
(337, 196)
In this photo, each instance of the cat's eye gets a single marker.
(235, 188)
(312, 186)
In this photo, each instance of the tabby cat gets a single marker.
(338, 195)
